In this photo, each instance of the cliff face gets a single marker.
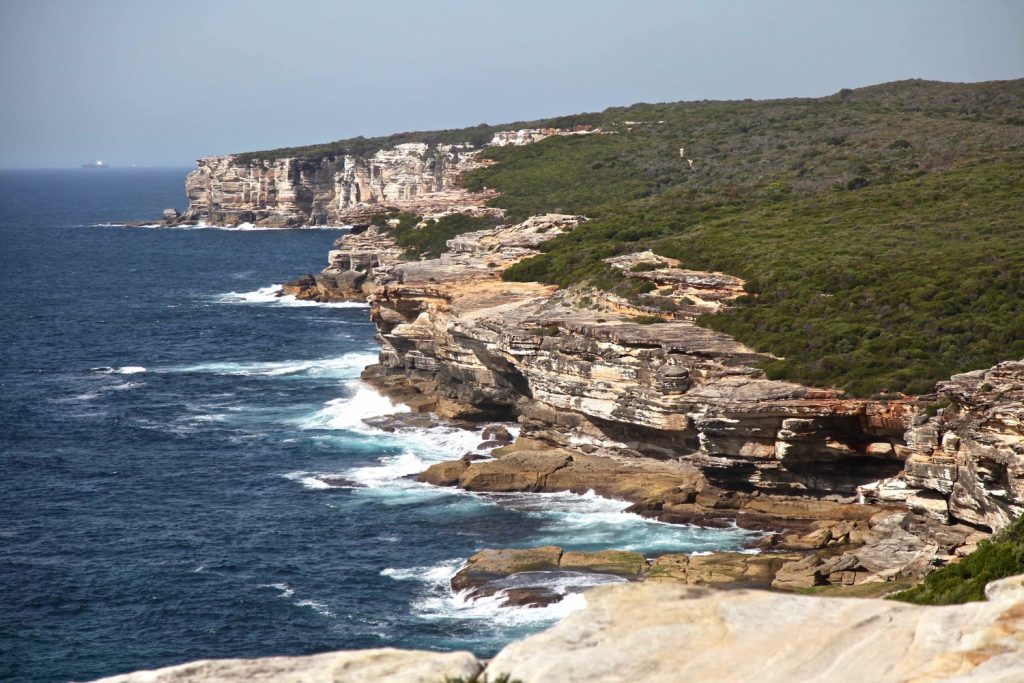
(337, 190)
(676, 417)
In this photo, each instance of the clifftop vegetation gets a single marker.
(476, 136)
(880, 230)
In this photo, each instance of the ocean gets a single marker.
(186, 470)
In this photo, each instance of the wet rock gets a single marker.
(530, 597)
(617, 562)
(445, 473)
(488, 565)
(497, 433)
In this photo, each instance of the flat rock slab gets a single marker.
(655, 632)
(355, 666)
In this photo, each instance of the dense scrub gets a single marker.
(362, 146)
(964, 581)
(429, 240)
(881, 231)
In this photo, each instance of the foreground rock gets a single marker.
(662, 632)
(355, 666)
(668, 632)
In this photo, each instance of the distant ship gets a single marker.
(96, 164)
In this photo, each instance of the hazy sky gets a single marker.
(136, 81)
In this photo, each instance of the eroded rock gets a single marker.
(666, 632)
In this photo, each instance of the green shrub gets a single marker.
(964, 581)
(430, 241)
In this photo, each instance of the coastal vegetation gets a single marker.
(428, 239)
(964, 581)
(880, 231)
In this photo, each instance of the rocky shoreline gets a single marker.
(674, 418)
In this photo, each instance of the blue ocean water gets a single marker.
(186, 473)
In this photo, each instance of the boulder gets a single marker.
(530, 597)
(445, 473)
(497, 433)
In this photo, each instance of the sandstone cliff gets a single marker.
(333, 191)
(676, 417)
(345, 188)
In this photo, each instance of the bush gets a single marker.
(430, 240)
(964, 581)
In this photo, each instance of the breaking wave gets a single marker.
(271, 295)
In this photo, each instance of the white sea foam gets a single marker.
(439, 603)
(388, 473)
(349, 412)
(271, 295)
(591, 520)
(310, 480)
(126, 370)
(316, 606)
(286, 590)
(346, 366)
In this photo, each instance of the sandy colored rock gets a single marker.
(664, 632)
(488, 565)
(618, 562)
(719, 569)
(355, 666)
(444, 473)
(515, 472)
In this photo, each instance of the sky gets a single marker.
(163, 83)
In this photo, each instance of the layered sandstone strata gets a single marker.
(343, 189)
(675, 417)
(334, 190)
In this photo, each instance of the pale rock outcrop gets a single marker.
(966, 462)
(354, 666)
(666, 632)
(528, 136)
(333, 190)
(344, 189)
